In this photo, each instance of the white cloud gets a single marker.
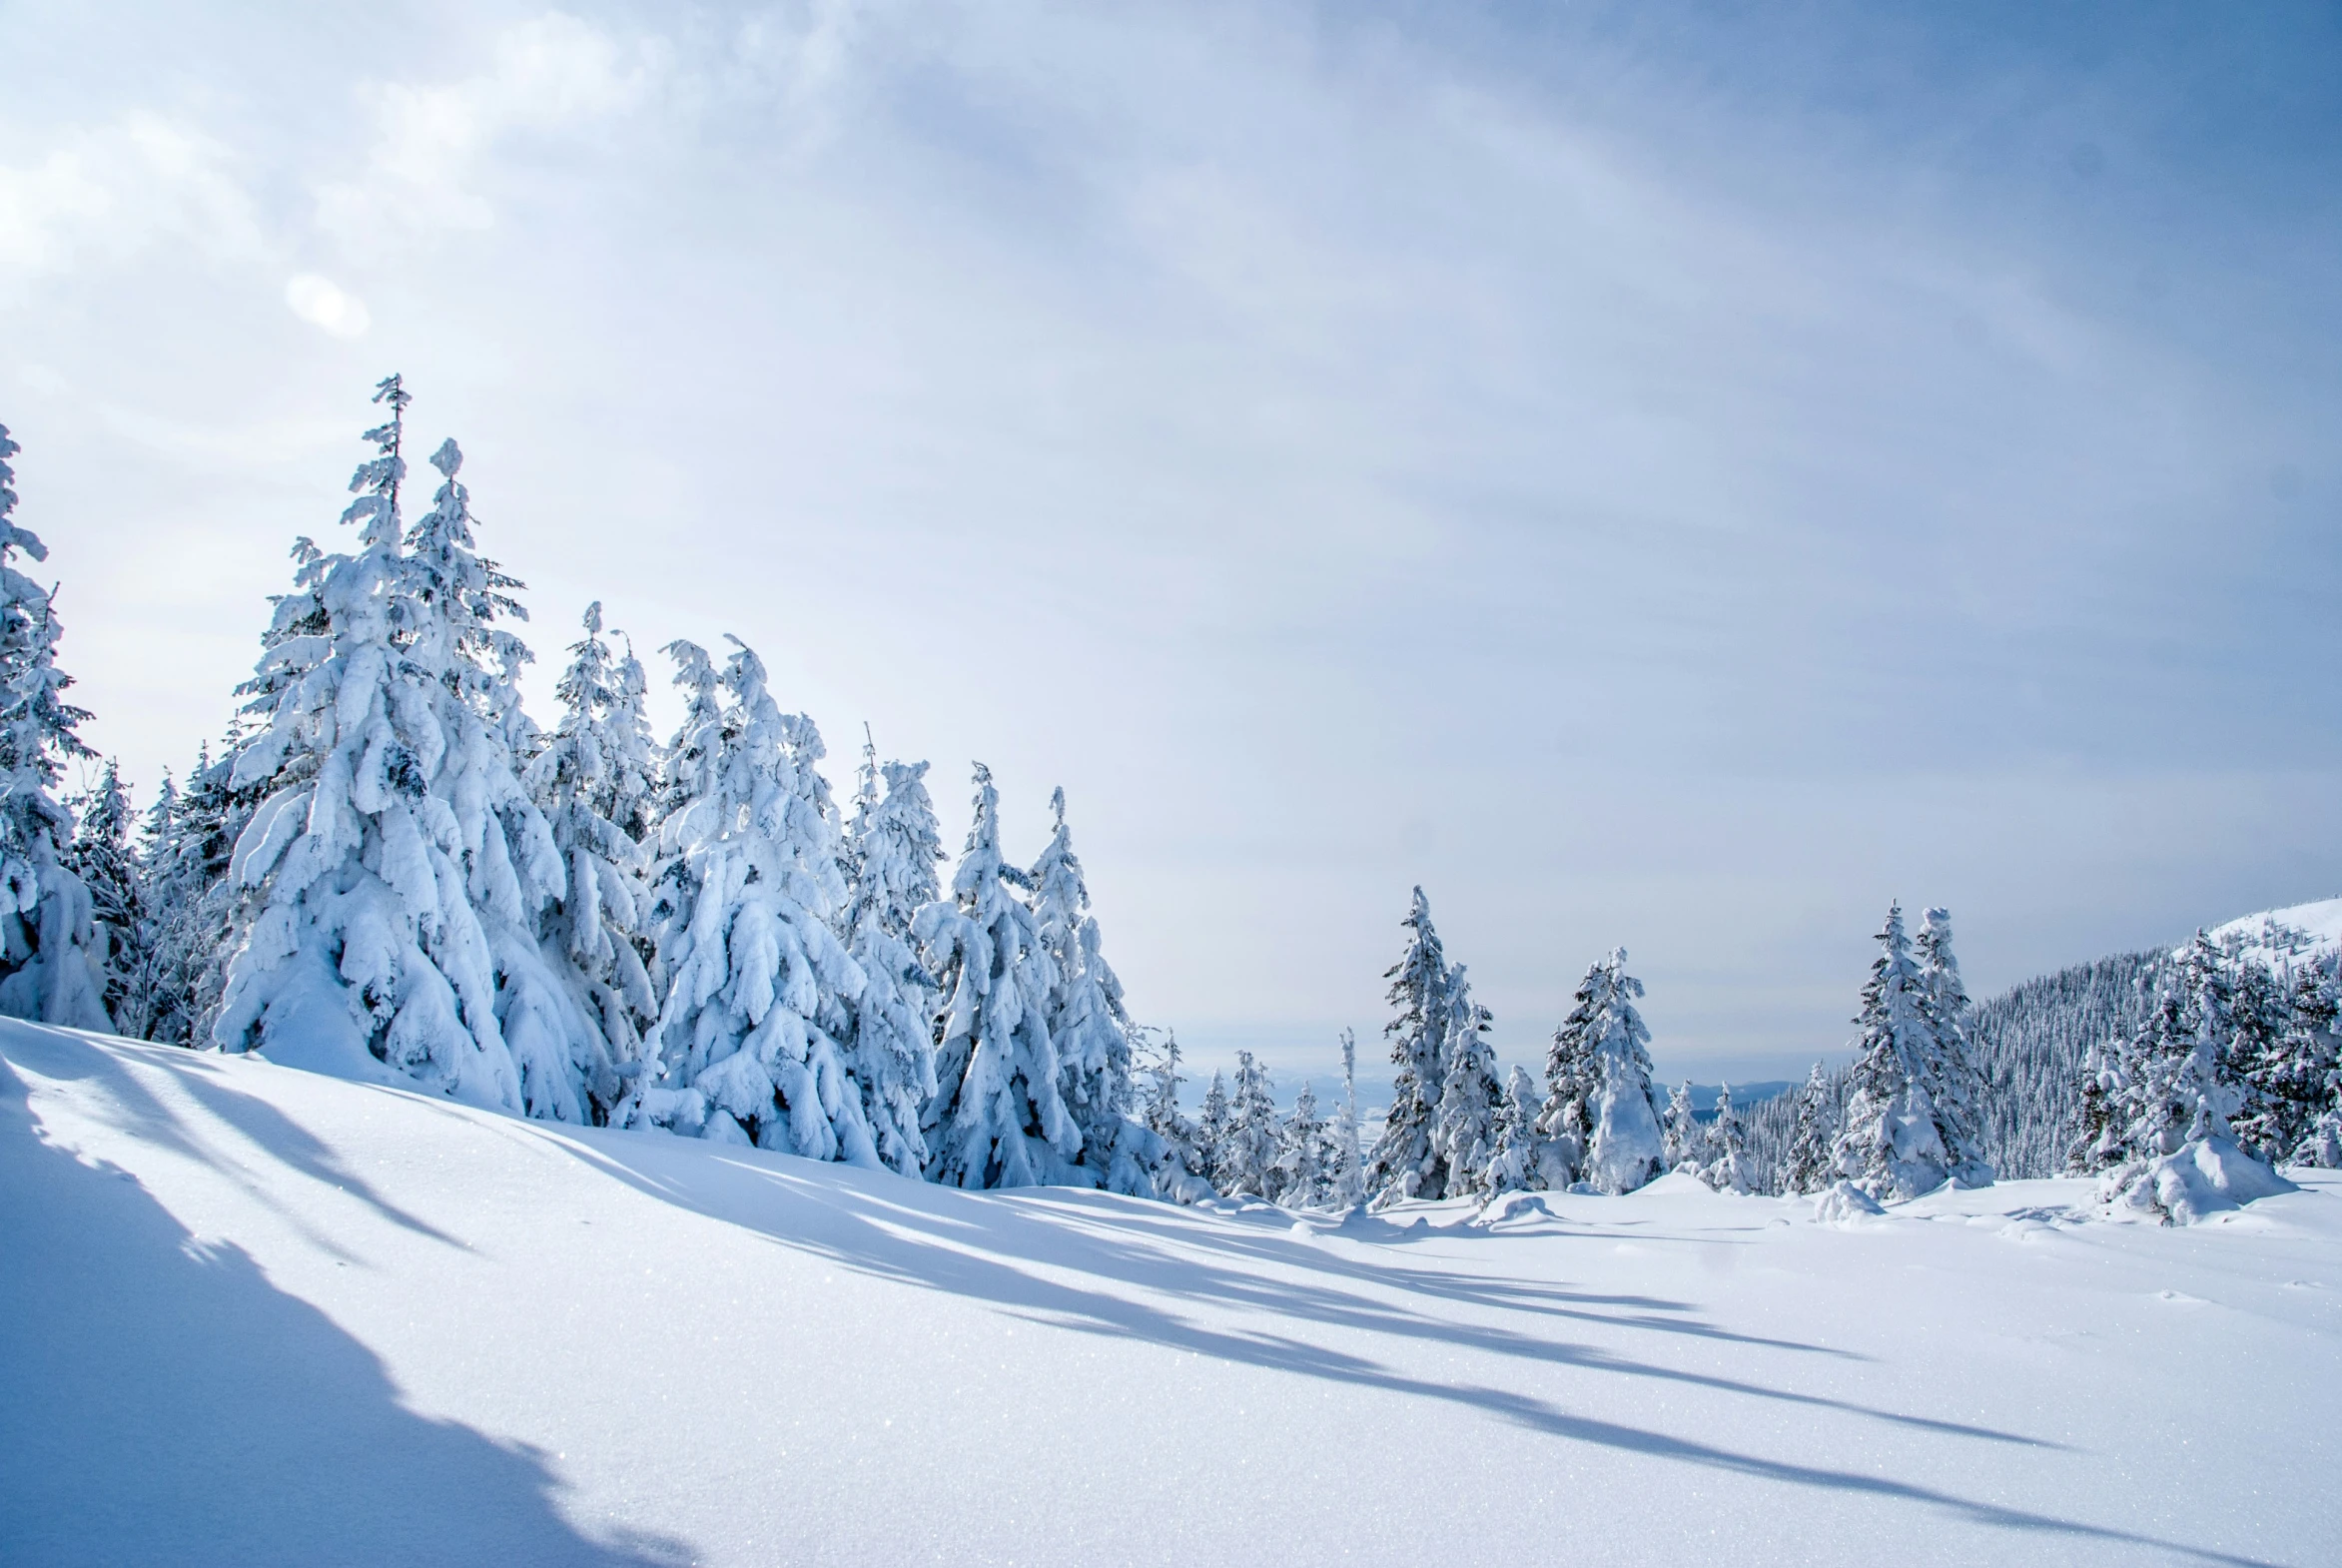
(323, 302)
(549, 75)
(103, 194)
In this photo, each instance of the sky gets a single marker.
(1672, 477)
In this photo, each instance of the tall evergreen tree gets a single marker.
(1406, 1163)
(2316, 1050)
(1160, 1111)
(890, 854)
(1465, 1129)
(1809, 1168)
(1515, 1164)
(1347, 1167)
(1727, 1147)
(1954, 1086)
(393, 878)
(1627, 1147)
(758, 985)
(51, 957)
(1573, 1078)
(1684, 1139)
(1087, 1020)
(1213, 1123)
(106, 860)
(1301, 1153)
(1892, 1144)
(592, 778)
(1248, 1161)
(998, 1118)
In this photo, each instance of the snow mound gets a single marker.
(2207, 1176)
(1844, 1203)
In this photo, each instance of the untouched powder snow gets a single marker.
(261, 1316)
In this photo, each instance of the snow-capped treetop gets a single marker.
(1892, 1145)
(891, 853)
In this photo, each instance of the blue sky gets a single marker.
(1666, 476)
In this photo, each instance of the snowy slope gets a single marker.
(2321, 922)
(260, 1316)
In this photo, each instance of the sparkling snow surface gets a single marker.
(256, 1315)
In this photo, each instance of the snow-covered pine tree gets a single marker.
(1684, 1139)
(1565, 1121)
(392, 877)
(998, 1118)
(1892, 1145)
(1628, 1148)
(1159, 1111)
(1248, 1163)
(1727, 1151)
(1211, 1133)
(51, 955)
(1348, 1164)
(592, 778)
(2316, 1050)
(1301, 1153)
(1515, 1164)
(1809, 1168)
(890, 855)
(1404, 1163)
(2282, 1085)
(758, 986)
(107, 862)
(1954, 1086)
(1464, 1128)
(1087, 1021)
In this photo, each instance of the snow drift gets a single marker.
(261, 1316)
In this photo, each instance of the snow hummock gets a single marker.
(261, 1316)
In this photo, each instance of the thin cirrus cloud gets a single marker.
(1670, 483)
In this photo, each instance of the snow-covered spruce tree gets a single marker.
(1249, 1158)
(1892, 1145)
(890, 854)
(2317, 1055)
(1954, 1086)
(1809, 1168)
(1464, 1128)
(2282, 1082)
(1683, 1138)
(758, 986)
(107, 862)
(1346, 1164)
(998, 1118)
(1565, 1121)
(1628, 1148)
(1515, 1164)
(1404, 1163)
(1725, 1168)
(1301, 1155)
(1158, 1110)
(1211, 1133)
(392, 877)
(51, 953)
(1088, 1022)
(2172, 1096)
(592, 778)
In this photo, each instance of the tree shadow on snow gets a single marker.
(1027, 1251)
(166, 1404)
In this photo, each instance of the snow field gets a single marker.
(260, 1315)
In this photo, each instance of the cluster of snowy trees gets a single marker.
(2235, 1069)
(1241, 1146)
(390, 866)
